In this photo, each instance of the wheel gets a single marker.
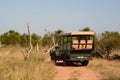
(85, 63)
(53, 59)
(65, 62)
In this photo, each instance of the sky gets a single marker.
(67, 15)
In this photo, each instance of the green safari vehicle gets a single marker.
(74, 47)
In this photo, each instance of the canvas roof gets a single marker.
(78, 33)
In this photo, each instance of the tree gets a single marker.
(109, 41)
(36, 39)
(58, 31)
(10, 37)
(51, 38)
(47, 39)
(24, 40)
(56, 34)
(86, 29)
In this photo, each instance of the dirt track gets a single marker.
(75, 72)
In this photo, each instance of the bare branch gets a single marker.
(27, 53)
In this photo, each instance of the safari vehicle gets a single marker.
(74, 47)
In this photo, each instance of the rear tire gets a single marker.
(65, 62)
(85, 63)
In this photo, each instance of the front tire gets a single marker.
(53, 59)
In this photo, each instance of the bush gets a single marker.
(108, 41)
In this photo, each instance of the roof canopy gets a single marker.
(75, 33)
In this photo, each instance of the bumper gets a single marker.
(79, 59)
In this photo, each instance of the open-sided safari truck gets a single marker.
(74, 47)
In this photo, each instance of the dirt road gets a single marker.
(75, 72)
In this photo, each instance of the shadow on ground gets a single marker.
(60, 63)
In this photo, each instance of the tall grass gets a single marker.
(35, 68)
(109, 70)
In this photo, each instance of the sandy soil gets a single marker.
(75, 72)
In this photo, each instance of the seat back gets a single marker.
(75, 44)
(82, 44)
(89, 44)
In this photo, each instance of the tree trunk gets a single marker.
(27, 54)
(37, 48)
(53, 41)
(0, 44)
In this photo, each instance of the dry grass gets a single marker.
(109, 70)
(14, 67)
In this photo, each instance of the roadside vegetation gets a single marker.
(109, 70)
(108, 45)
(13, 66)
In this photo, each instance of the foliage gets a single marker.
(14, 38)
(105, 42)
(85, 29)
(111, 40)
(108, 41)
(10, 37)
(47, 40)
(36, 39)
(24, 40)
(56, 34)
